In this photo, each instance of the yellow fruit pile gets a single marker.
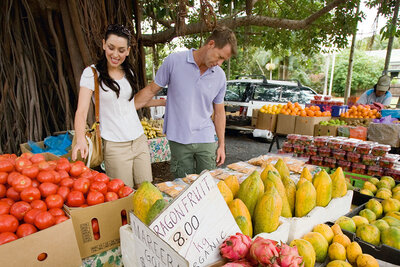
(271, 109)
(384, 188)
(152, 128)
(361, 112)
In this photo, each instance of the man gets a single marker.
(196, 89)
(379, 94)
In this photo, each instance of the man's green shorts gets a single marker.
(192, 158)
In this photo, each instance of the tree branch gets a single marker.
(165, 23)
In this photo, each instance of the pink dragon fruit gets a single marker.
(264, 251)
(239, 263)
(289, 256)
(236, 247)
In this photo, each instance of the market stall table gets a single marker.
(159, 149)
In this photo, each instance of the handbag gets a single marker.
(95, 155)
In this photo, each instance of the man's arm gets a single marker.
(220, 122)
(146, 94)
(362, 99)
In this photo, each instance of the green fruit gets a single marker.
(369, 214)
(384, 184)
(347, 224)
(389, 179)
(374, 180)
(375, 206)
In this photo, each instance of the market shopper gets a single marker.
(196, 89)
(125, 149)
(379, 94)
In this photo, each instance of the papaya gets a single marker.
(394, 214)
(323, 186)
(155, 209)
(396, 195)
(349, 185)
(267, 212)
(352, 252)
(337, 251)
(225, 191)
(366, 192)
(342, 239)
(338, 263)
(390, 204)
(370, 186)
(384, 184)
(369, 233)
(381, 224)
(301, 180)
(396, 189)
(290, 187)
(346, 223)
(239, 209)
(251, 190)
(391, 237)
(244, 225)
(324, 230)
(374, 180)
(233, 183)
(144, 198)
(376, 206)
(366, 260)
(305, 173)
(282, 168)
(384, 193)
(339, 187)
(359, 220)
(306, 199)
(369, 214)
(391, 221)
(390, 180)
(273, 179)
(306, 250)
(336, 229)
(265, 171)
(319, 244)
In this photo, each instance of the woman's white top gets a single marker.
(119, 121)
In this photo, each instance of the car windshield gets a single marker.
(235, 91)
(267, 93)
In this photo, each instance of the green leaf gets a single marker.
(111, 259)
(99, 263)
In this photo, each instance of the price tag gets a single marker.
(150, 250)
(197, 222)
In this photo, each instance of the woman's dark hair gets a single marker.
(101, 66)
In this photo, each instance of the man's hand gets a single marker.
(220, 155)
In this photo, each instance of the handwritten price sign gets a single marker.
(197, 222)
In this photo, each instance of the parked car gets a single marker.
(252, 92)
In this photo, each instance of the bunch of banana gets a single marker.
(149, 130)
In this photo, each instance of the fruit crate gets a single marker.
(357, 180)
(395, 113)
(337, 110)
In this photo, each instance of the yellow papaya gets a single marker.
(301, 180)
(268, 168)
(144, 198)
(273, 179)
(238, 208)
(352, 252)
(376, 206)
(305, 173)
(319, 244)
(233, 183)
(157, 207)
(369, 233)
(290, 187)
(390, 180)
(339, 186)
(225, 191)
(306, 250)
(267, 212)
(390, 204)
(251, 190)
(391, 237)
(323, 186)
(282, 168)
(244, 225)
(324, 230)
(366, 260)
(306, 199)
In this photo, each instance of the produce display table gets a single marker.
(159, 149)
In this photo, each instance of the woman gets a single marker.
(126, 153)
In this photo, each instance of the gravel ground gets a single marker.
(240, 146)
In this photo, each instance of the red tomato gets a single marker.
(68, 182)
(99, 186)
(63, 174)
(95, 225)
(45, 177)
(39, 204)
(6, 166)
(42, 256)
(82, 184)
(96, 236)
(53, 165)
(3, 177)
(125, 191)
(26, 229)
(76, 168)
(47, 189)
(35, 183)
(94, 198)
(7, 237)
(4, 207)
(54, 201)
(31, 215)
(110, 196)
(9, 201)
(63, 191)
(84, 205)
(26, 155)
(60, 219)
(21, 182)
(94, 173)
(12, 176)
(63, 166)
(101, 177)
(3, 190)
(75, 199)
(56, 212)
(19, 209)
(124, 221)
(44, 220)
(62, 160)
(30, 194)
(57, 177)
(87, 174)
(11, 193)
(115, 185)
(31, 171)
(8, 223)
(36, 158)
(44, 166)
(22, 163)
(123, 213)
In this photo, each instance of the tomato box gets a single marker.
(266, 121)
(285, 124)
(109, 218)
(56, 244)
(25, 148)
(305, 125)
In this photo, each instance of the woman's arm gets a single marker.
(85, 95)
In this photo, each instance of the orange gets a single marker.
(318, 113)
(303, 113)
(310, 113)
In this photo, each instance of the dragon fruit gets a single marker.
(239, 263)
(289, 256)
(264, 251)
(236, 247)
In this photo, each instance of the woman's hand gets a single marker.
(81, 145)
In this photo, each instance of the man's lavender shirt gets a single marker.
(190, 98)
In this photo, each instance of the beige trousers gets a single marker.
(128, 161)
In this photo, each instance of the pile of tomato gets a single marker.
(33, 192)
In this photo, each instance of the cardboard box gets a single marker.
(58, 242)
(254, 117)
(266, 121)
(325, 130)
(25, 148)
(285, 124)
(108, 215)
(305, 125)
